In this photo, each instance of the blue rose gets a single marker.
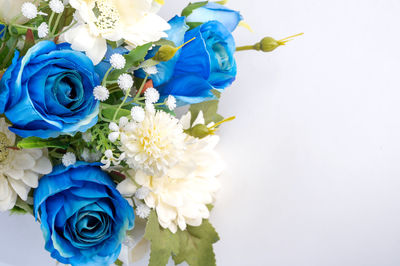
(83, 217)
(49, 92)
(204, 64)
(213, 11)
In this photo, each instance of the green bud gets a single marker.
(3, 147)
(165, 53)
(199, 131)
(268, 44)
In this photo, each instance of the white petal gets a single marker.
(43, 166)
(185, 120)
(23, 160)
(16, 174)
(199, 120)
(127, 188)
(31, 179)
(20, 188)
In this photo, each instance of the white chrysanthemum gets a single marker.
(171, 102)
(155, 144)
(43, 30)
(69, 159)
(19, 169)
(101, 93)
(152, 95)
(125, 82)
(134, 21)
(137, 114)
(29, 10)
(117, 61)
(56, 6)
(180, 197)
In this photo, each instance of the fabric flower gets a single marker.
(214, 11)
(84, 218)
(135, 21)
(49, 92)
(204, 64)
(19, 169)
(180, 196)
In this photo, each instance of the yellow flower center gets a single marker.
(107, 15)
(3, 147)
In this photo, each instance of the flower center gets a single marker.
(3, 147)
(107, 15)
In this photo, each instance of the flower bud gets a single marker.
(268, 44)
(165, 53)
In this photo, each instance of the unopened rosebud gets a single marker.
(167, 52)
(267, 44)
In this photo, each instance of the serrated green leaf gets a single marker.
(164, 243)
(133, 59)
(196, 245)
(38, 143)
(192, 6)
(209, 109)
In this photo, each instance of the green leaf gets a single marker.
(21, 207)
(133, 59)
(118, 263)
(193, 25)
(163, 242)
(162, 42)
(35, 142)
(109, 111)
(192, 6)
(196, 245)
(209, 109)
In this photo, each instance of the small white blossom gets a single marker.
(151, 70)
(29, 10)
(125, 82)
(109, 158)
(56, 6)
(43, 30)
(113, 136)
(123, 121)
(68, 159)
(137, 114)
(171, 102)
(87, 137)
(152, 95)
(113, 127)
(101, 93)
(150, 108)
(108, 154)
(142, 211)
(142, 193)
(117, 61)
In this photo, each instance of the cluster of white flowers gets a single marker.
(125, 82)
(101, 93)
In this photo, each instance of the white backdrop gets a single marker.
(314, 172)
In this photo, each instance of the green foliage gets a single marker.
(192, 6)
(209, 109)
(108, 112)
(196, 245)
(35, 142)
(163, 242)
(21, 207)
(118, 263)
(193, 245)
(133, 59)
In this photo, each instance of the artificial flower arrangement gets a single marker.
(90, 143)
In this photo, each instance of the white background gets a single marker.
(313, 156)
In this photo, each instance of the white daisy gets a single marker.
(19, 169)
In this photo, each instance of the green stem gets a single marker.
(103, 83)
(141, 87)
(244, 48)
(68, 28)
(120, 106)
(56, 24)
(51, 19)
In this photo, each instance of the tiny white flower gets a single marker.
(123, 121)
(125, 82)
(142, 193)
(87, 137)
(113, 127)
(117, 61)
(137, 114)
(43, 30)
(108, 154)
(68, 159)
(29, 10)
(152, 95)
(171, 102)
(142, 211)
(101, 93)
(151, 70)
(113, 136)
(150, 108)
(56, 6)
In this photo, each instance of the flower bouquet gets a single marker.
(90, 141)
